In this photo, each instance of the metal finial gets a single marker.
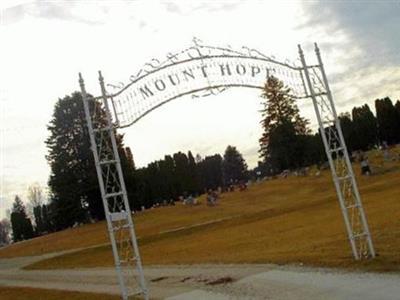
(100, 76)
(196, 41)
(316, 48)
(81, 82)
(300, 50)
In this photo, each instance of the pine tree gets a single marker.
(193, 187)
(181, 173)
(280, 116)
(210, 172)
(234, 167)
(20, 223)
(47, 224)
(5, 228)
(167, 179)
(365, 128)
(397, 107)
(141, 196)
(284, 147)
(129, 157)
(73, 181)
(128, 170)
(152, 187)
(314, 150)
(388, 124)
(348, 131)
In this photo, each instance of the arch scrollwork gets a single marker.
(199, 71)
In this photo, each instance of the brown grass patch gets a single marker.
(283, 221)
(22, 293)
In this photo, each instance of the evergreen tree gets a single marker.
(129, 158)
(234, 167)
(181, 174)
(193, 179)
(365, 128)
(210, 172)
(47, 224)
(314, 151)
(73, 181)
(198, 158)
(348, 131)
(169, 186)
(388, 124)
(20, 223)
(283, 148)
(397, 107)
(128, 170)
(282, 124)
(141, 197)
(152, 184)
(5, 227)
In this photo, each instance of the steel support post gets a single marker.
(113, 192)
(338, 157)
(133, 240)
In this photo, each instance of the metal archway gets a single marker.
(201, 71)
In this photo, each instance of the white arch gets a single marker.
(213, 73)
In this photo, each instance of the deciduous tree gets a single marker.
(35, 197)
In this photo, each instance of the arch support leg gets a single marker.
(342, 171)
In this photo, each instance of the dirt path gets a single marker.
(214, 281)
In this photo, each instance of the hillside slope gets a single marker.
(292, 220)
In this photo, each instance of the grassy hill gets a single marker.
(292, 220)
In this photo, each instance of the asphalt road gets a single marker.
(215, 281)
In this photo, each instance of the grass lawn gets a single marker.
(20, 293)
(292, 220)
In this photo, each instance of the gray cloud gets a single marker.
(49, 10)
(373, 26)
(213, 6)
(208, 6)
(13, 14)
(142, 24)
(370, 54)
(172, 7)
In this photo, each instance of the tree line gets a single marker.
(74, 196)
(363, 130)
(164, 181)
(26, 221)
(286, 143)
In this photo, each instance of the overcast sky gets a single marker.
(44, 44)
